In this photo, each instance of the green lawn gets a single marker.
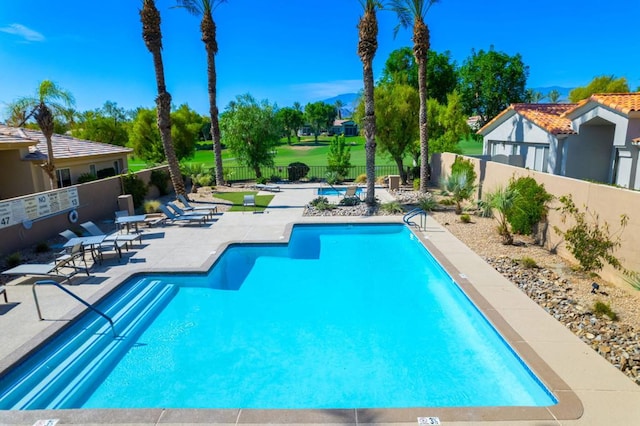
(307, 151)
(262, 201)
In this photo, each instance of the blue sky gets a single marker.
(293, 50)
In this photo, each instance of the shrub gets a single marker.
(530, 208)
(322, 203)
(87, 177)
(427, 204)
(159, 179)
(392, 207)
(464, 167)
(275, 178)
(297, 171)
(261, 180)
(339, 156)
(502, 201)
(350, 201)
(528, 263)
(416, 184)
(42, 247)
(465, 218)
(104, 173)
(633, 278)
(13, 260)
(460, 188)
(381, 180)
(333, 178)
(133, 185)
(447, 202)
(152, 206)
(591, 244)
(601, 308)
(361, 178)
(484, 209)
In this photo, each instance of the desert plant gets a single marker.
(322, 203)
(601, 308)
(633, 278)
(13, 260)
(333, 177)
(261, 180)
(528, 263)
(199, 174)
(484, 209)
(427, 204)
(465, 218)
(349, 201)
(502, 200)
(460, 188)
(447, 202)
(42, 247)
(152, 206)
(416, 184)
(159, 179)
(465, 167)
(530, 208)
(361, 178)
(589, 241)
(392, 207)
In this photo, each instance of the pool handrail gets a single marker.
(75, 296)
(413, 213)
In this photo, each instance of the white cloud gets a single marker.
(21, 31)
(328, 89)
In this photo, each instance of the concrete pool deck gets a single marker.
(591, 391)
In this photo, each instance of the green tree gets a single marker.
(490, 81)
(533, 96)
(250, 130)
(367, 47)
(205, 8)
(108, 124)
(397, 108)
(152, 36)
(447, 124)
(553, 96)
(442, 75)
(319, 115)
(50, 102)
(601, 84)
(291, 120)
(185, 130)
(414, 12)
(339, 157)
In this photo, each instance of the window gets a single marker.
(92, 169)
(64, 177)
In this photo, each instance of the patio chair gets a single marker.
(351, 194)
(127, 239)
(249, 201)
(173, 217)
(267, 187)
(97, 248)
(210, 208)
(178, 211)
(53, 269)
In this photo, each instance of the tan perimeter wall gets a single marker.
(98, 201)
(608, 202)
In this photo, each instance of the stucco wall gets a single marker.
(98, 201)
(589, 157)
(608, 202)
(15, 174)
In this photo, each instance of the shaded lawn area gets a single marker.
(237, 198)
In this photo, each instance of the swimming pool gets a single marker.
(337, 191)
(303, 325)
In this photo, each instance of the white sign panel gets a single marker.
(34, 207)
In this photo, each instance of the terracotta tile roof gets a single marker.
(550, 117)
(623, 102)
(63, 146)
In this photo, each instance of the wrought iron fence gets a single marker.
(282, 173)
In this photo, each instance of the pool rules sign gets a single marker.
(34, 207)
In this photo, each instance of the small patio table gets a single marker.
(128, 220)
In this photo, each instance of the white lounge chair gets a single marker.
(267, 187)
(210, 209)
(125, 239)
(173, 217)
(65, 268)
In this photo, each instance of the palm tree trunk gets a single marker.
(208, 28)
(152, 35)
(420, 50)
(367, 46)
(44, 118)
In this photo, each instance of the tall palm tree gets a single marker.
(50, 101)
(367, 46)
(208, 29)
(414, 12)
(152, 36)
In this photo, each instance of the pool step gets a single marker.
(59, 378)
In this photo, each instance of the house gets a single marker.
(597, 139)
(23, 151)
(345, 127)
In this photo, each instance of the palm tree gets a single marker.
(414, 11)
(50, 101)
(338, 104)
(367, 46)
(208, 29)
(152, 36)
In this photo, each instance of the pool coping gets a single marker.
(569, 406)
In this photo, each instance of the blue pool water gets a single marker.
(311, 324)
(336, 191)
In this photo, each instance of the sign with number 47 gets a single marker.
(428, 421)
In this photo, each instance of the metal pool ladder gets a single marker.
(413, 213)
(75, 296)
